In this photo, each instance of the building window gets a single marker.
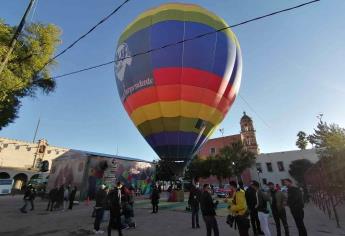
(259, 167)
(5, 145)
(280, 166)
(17, 147)
(49, 151)
(264, 181)
(269, 166)
(213, 150)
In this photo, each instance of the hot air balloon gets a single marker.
(177, 76)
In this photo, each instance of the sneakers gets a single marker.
(23, 211)
(98, 231)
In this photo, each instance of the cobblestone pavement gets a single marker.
(172, 220)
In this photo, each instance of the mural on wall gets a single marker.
(68, 170)
(110, 170)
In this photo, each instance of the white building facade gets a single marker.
(274, 167)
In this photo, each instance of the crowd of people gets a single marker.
(252, 206)
(58, 198)
(118, 202)
(249, 207)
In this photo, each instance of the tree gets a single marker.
(20, 77)
(220, 167)
(165, 170)
(239, 157)
(298, 168)
(329, 140)
(302, 141)
(197, 168)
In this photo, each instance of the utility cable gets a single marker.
(182, 41)
(83, 36)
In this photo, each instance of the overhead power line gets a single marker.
(182, 41)
(84, 35)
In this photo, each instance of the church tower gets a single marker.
(248, 134)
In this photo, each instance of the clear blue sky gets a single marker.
(294, 68)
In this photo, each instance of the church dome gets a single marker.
(245, 118)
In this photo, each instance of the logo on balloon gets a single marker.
(123, 59)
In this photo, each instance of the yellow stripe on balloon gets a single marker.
(174, 109)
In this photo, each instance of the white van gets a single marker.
(6, 186)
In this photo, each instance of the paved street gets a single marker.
(171, 220)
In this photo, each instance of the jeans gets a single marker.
(298, 215)
(263, 218)
(50, 205)
(115, 216)
(98, 218)
(211, 223)
(195, 217)
(254, 219)
(280, 216)
(26, 201)
(154, 207)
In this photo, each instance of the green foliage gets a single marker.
(239, 157)
(230, 161)
(302, 141)
(329, 140)
(197, 168)
(165, 170)
(20, 78)
(298, 168)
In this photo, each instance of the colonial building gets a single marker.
(246, 136)
(21, 161)
(274, 167)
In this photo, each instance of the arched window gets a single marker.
(4, 175)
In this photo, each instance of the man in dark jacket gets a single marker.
(53, 193)
(101, 197)
(278, 201)
(114, 202)
(72, 197)
(296, 204)
(194, 202)
(29, 196)
(208, 211)
(155, 199)
(251, 203)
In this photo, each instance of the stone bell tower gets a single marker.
(248, 134)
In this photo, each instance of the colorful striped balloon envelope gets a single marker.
(177, 75)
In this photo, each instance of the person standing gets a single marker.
(29, 196)
(278, 201)
(101, 197)
(262, 199)
(194, 202)
(251, 203)
(296, 204)
(72, 197)
(155, 199)
(114, 202)
(60, 196)
(208, 211)
(238, 208)
(66, 197)
(52, 198)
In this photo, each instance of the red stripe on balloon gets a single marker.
(194, 86)
(174, 93)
